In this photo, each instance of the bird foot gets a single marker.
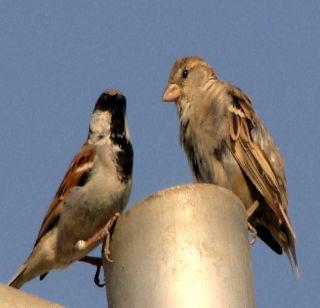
(98, 236)
(253, 232)
(96, 261)
(107, 238)
(106, 249)
(252, 229)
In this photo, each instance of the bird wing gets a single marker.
(76, 176)
(257, 154)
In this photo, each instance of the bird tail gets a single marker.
(292, 256)
(39, 263)
(19, 278)
(288, 244)
(28, 271)
(277, 233)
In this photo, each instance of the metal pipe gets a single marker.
(186, 246)
(11, 297)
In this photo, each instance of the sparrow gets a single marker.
(227, 144)
(94, 190)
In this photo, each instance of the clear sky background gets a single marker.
(57, 56)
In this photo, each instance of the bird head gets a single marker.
(111, 100)
(187, 76)
(108, 117)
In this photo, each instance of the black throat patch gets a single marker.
(124, 158)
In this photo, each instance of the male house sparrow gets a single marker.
(95, 188)
(227, 144)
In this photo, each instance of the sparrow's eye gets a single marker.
(185, 73)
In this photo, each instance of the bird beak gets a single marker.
(171, 93)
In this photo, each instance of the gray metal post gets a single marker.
(185, 246)
(14, 298)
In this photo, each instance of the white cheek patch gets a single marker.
(100, 127)
(100, 122)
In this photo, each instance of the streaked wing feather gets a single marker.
(254, 161)
(260, 159)
(76, 174)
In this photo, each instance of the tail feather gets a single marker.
(289, 248)
(291, 253)
(39, 263)
(18, 279)
(288, 243)
(277, 232)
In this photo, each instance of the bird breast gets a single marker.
(88, 208)
(203, 136)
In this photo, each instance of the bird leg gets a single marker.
(98, 236)
(252, 208)
(96, 261)
(103, 233)
(106, 243)
(105, 247)
(251, 228)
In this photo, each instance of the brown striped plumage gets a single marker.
(73, 178)
(95, 188)
(227, 144)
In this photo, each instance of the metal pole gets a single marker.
(185, 246)
(12, 298)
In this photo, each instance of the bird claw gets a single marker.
(96, 278)
(102, 233)
(95, 261)
(106, 243)
(251, 228)
(253, 232)
(105, 247)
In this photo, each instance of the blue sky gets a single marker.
(57, 56)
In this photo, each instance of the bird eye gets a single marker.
(185, 73)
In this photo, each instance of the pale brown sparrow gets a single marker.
(227, 144)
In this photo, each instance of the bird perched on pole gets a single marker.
(227, 144)
(94, 190)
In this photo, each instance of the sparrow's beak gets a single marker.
(171, 93)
